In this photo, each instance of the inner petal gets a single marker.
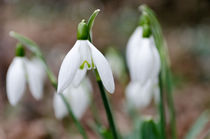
(85, 54)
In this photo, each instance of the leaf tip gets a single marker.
(96, 11)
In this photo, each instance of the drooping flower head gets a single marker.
(77, 97)
(21, 70)
(144, 65)
(82, 57)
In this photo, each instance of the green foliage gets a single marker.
(91, 22)
(198, 126)
(31, 45)
(149, 130)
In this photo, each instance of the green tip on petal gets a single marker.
(82, 31)
(20, 52)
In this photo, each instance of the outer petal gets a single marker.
(144, 61)
(103, 68)
(59, 107)
(68, 68)
(133, 42)
(80, 74)
(138, 96)
(36, 76)
(15, 80)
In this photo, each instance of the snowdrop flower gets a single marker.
(19, 72)
(144, 65)
(142, 57)
(78, 98)
(82, 57)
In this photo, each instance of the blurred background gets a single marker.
(52, 24)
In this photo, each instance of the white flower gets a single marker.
(144, 65)
(142, 57)
(116, 63)
(78, 98)
(19, 71)
(36, 77)
(138, 96)
(82, 57)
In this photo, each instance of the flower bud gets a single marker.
(82, 31)
(19, 50)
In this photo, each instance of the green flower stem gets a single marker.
(77, 123)
(34, 48)
(106, 106)
(162, 110)
(95, 112)
(53, 81)
(102, 91)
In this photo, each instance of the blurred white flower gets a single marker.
(138, 96)
(142, 57)
(78, 98)
(144, 65)
(21, 70)
(82, 57)
(116, 63)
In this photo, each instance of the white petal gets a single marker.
(78, 99)
(103, 68)
(15, 80)
(59, 107)
(36, 77)
(68, 68)
(157, 62)
(138, 96)
(133, 42)
(80, 74)
(144, 61)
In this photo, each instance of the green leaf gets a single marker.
(102, 131)
(31, 45)
(91, 22)
(135, 133)
(92, 19)
(198, 126)
(149, 130)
